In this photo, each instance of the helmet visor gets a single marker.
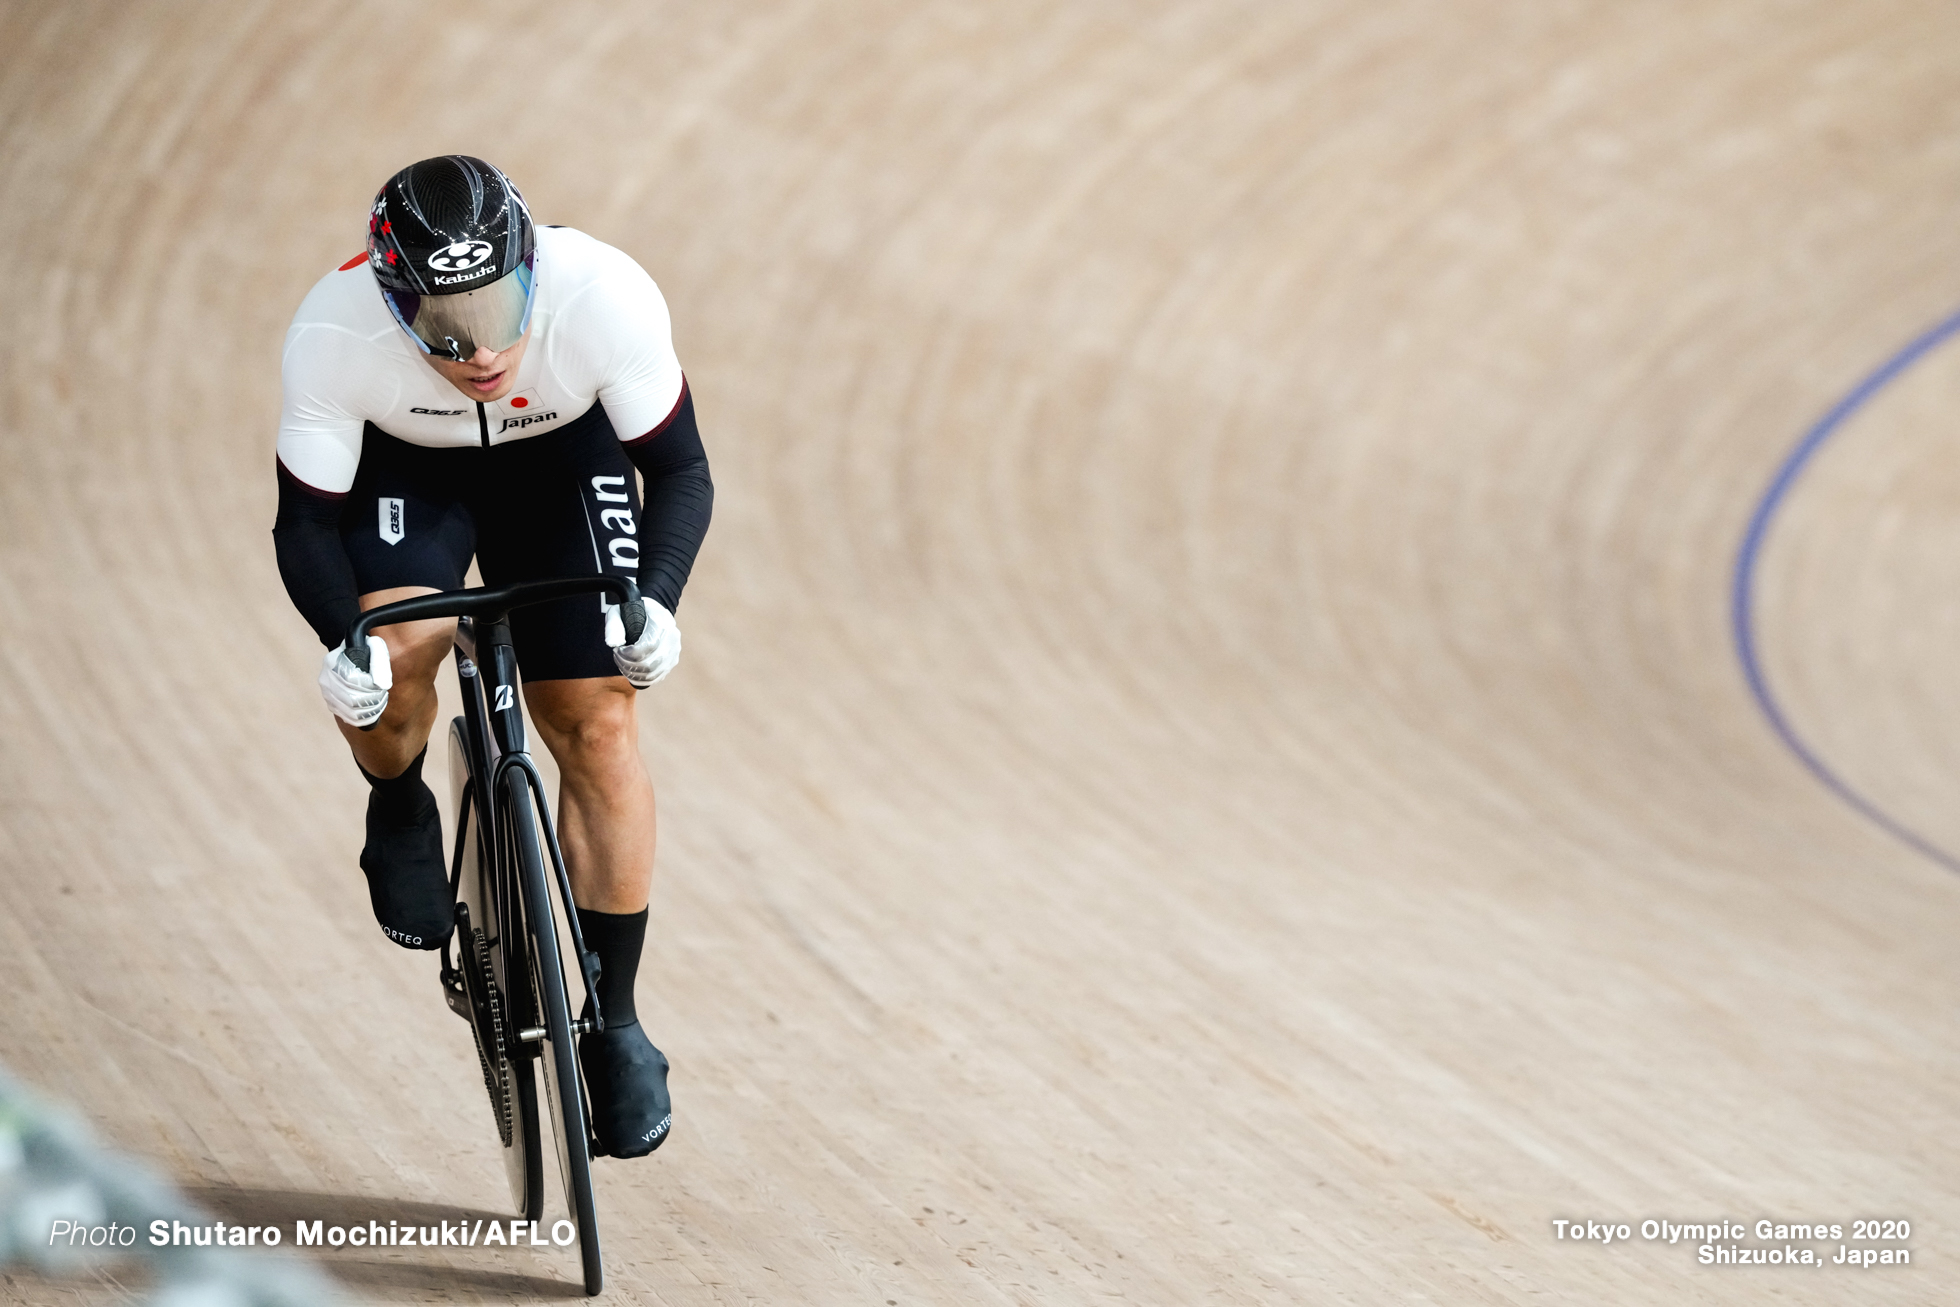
(456, 326)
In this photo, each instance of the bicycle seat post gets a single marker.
(466, 638)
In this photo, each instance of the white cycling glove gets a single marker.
(654, 654)
(357, 697)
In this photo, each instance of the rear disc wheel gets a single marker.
(507, 1071)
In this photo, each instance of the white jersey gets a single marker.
(599, 331)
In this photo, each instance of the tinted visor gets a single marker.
(456, 326)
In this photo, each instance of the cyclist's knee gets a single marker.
(585, 720)
(416, 650)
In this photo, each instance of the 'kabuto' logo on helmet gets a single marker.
(461, 255)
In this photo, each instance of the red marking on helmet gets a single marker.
(353, 263)
(391, 257)
(387, 228)
(520, 402)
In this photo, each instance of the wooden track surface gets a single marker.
(1209, 766)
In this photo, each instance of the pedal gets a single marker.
(453, 994)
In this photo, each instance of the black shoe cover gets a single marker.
(408, 881)
(626, 1077)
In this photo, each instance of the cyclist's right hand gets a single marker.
(357, 697)
(649, 658)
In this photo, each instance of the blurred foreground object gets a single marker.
(52, 1174)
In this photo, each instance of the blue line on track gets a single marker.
(1742, 610)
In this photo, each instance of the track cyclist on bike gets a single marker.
(475, 386)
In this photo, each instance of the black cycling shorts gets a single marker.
(561, 504)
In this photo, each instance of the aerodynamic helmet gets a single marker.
(451, 244)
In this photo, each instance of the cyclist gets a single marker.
(477, 386)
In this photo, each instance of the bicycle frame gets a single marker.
(493, 721)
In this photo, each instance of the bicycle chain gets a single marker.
(496, 1075)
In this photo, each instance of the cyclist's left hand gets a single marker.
(654, 654)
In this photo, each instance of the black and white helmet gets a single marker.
(454, 252)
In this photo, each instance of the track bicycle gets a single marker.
(507, 978)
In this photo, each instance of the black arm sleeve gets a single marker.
(680, 499)
(312, 563)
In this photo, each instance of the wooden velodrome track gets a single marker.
(1210, 764)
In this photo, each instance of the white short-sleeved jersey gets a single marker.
(599, 331)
